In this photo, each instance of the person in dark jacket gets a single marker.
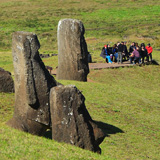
(120, 51)
(115, 52)
(136, 45)
(131, 48)
(125, 50)
(143, 52)
(105, 54)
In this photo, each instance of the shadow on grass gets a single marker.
(154, 62)
(108, 129)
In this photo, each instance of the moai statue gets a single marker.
(32, 85)
(72, 51)
(6, 81)
(41, 103)
(71, 122)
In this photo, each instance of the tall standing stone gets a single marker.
(72, 51)
(32, 85)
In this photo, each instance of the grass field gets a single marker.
(104, 21)
(128, 99)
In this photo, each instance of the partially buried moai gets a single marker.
(32, 85)
(72, 51)
(71, 122)
(42, 103)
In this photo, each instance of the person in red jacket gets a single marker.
(149, 50)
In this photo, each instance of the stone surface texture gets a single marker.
(6, 81)
(71, 122)
(32, 85)
(72, 51)
(42, 103)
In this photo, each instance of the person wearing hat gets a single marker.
(149, 50)
(105, 54)
(104, 51)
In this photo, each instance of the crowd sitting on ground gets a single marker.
(119, 53)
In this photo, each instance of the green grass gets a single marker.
(126, 98)
(6, 61)
(23, 146)
(109, 21)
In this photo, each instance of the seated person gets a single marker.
(115, 52)
(136, 55)
(131, 57)
(105, 54)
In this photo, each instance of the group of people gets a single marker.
(119, 53)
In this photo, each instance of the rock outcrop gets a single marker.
(6, 81)
(32, 85)
(71, 122)
(72, 51)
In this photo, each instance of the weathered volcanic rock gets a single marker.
(32, 85)
(71, 122)
(6, 81)
(72, 51)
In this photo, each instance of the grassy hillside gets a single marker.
(104, 21)
(126, 100)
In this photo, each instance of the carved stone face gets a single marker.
(32, 84)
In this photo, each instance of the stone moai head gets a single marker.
(32, 85)
(71, 121)
(72, 51)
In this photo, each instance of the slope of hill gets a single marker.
(105, 21)
(124, 99)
